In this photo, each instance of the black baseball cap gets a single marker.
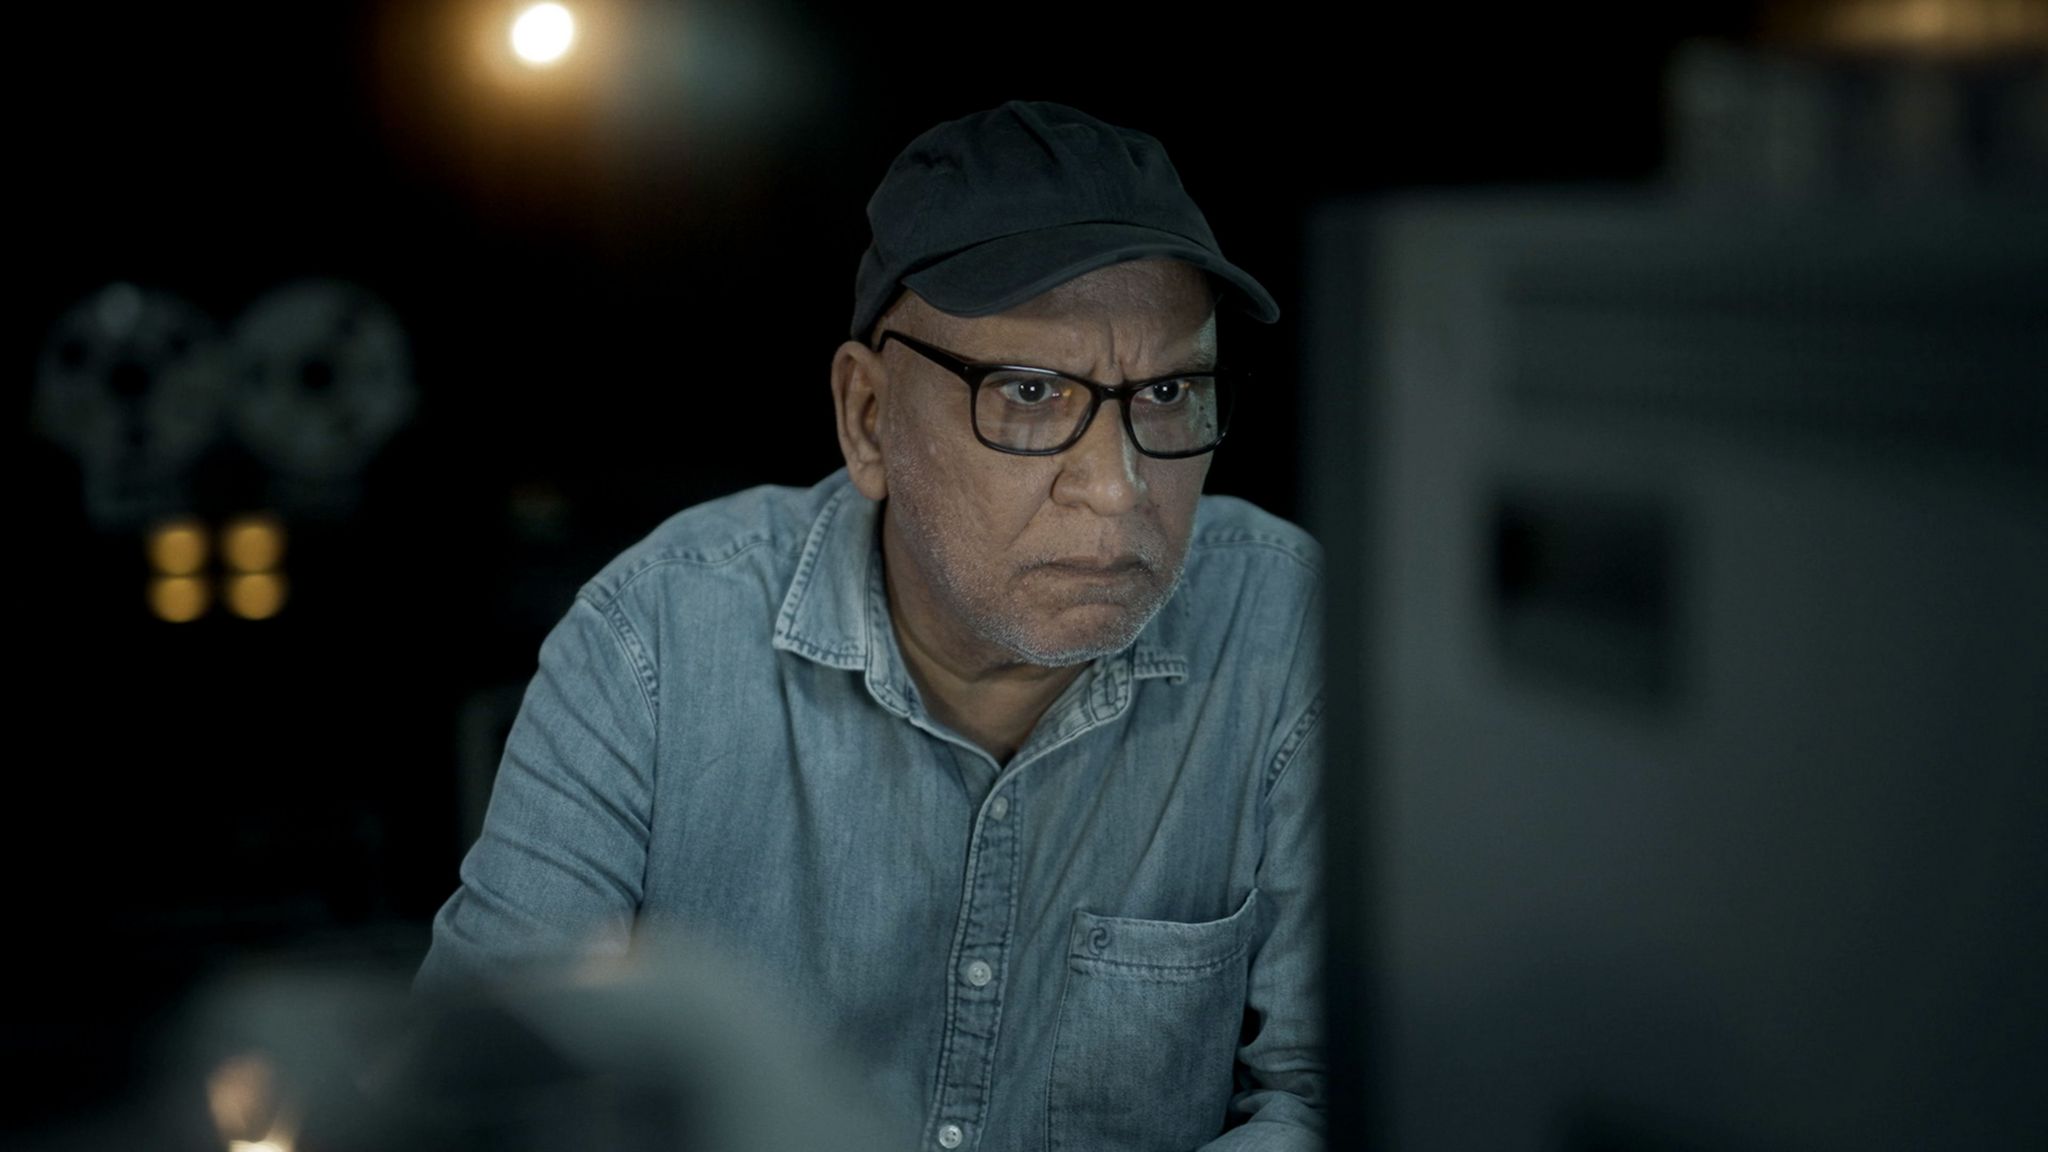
(983, 213)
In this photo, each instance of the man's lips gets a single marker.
(1123, 566)
(1077, 581)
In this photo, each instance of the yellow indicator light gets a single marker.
(177, 547)
(253, 543)
(542, 34)
(256, 595)
(180, 599)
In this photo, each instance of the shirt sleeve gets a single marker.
(1278, 1104)
(557, 872)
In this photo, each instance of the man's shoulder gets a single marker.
(1229, 526)
(1248, 610)
(1246, 565)
(752, 535)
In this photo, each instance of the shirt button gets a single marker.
(979, 973)
(950, 1135)
(999, 807)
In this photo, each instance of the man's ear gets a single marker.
(859, 382)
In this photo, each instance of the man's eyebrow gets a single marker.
(1199, 361)
(1195, 363)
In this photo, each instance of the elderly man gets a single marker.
(1000, 748)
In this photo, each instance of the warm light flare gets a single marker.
(242, 1095)
(1935, 28)
(177, 547)
(253, 543)
(256, 596)
(543, 34)
(180, 599)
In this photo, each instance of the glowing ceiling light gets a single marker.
(542, 34)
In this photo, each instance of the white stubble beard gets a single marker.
(956, 581)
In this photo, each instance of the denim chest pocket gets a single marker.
(1148, 1031)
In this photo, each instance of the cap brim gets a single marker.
(1003, 273)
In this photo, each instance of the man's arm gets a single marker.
(1279, 1102)
(557, 872)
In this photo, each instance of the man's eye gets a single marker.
(1166, 393)
(1028, 391)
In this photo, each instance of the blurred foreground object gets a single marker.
(1690, 622)
(670, 1049)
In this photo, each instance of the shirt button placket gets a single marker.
(975, 1001)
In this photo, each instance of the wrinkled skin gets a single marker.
(1008, 574)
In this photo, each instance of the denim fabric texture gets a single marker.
(1112, 942)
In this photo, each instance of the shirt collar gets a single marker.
(836, 612)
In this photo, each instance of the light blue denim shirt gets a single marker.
(1109, 943)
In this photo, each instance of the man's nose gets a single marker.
(1100, 471)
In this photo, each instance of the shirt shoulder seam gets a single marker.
(635, 650)
(1247, 538)
(606, 590)
(1284, 757)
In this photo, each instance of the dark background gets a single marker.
(622, 283)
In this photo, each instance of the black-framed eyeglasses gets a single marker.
(1039, 412)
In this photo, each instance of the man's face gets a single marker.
(1044, 560)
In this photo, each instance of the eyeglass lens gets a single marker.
(1037, 412)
